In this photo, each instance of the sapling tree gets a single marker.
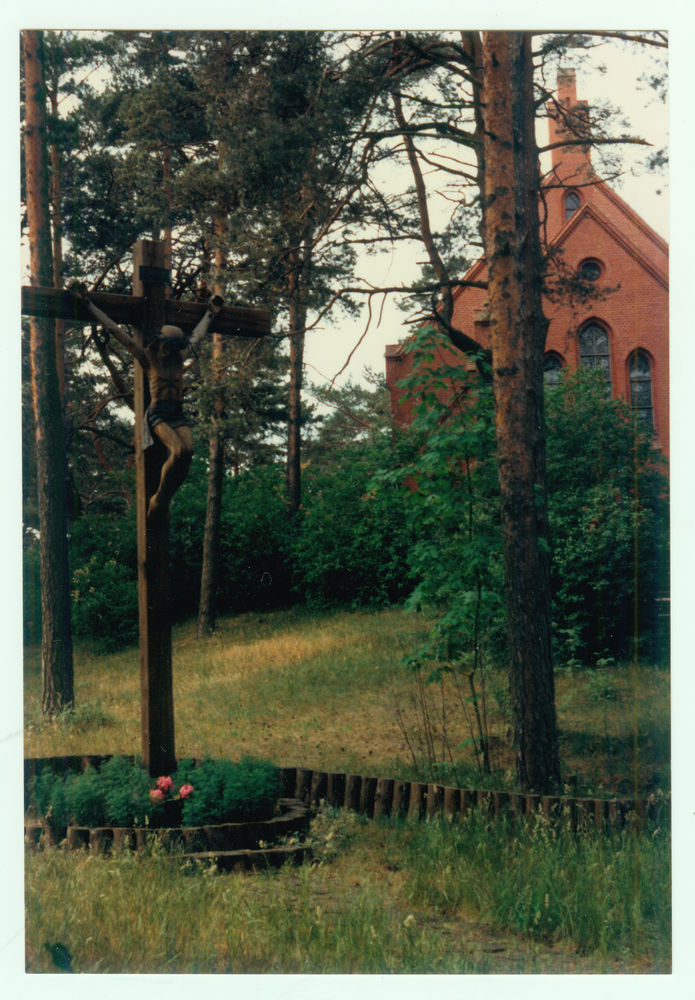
(451, 497)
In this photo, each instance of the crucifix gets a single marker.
(148, 310)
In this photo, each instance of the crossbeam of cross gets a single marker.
(147, 310)
(130, 309)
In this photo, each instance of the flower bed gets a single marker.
(118, 793)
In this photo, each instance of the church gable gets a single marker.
(590, 233)
(625, 330)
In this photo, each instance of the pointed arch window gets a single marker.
(552, 370)
(594, 350)
(641, 397)
(572, 203)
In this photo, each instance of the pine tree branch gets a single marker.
(625, 37)
(425, 228)
(595, 142)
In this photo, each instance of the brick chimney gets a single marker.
(568, 118)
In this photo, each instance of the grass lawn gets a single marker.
(327, 692)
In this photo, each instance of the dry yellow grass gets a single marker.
(312, 691)
(325, 692)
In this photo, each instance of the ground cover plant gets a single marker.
(321, 691)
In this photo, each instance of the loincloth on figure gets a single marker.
(166, 411)
(163, 411)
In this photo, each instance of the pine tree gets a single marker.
(56, 635)
(493, 118)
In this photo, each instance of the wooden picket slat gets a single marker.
(383, 798)
(335, 790)
(367, 796)
(319, 787)
(303, 787)
(401, 798)
(435, 800)
(353, 786)
(451, 806)
(418, 800)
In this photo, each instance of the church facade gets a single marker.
(610, 271)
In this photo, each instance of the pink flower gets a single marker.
(157, 795)
(185, 791)
(165, 784)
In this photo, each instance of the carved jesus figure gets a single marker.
(163, 361)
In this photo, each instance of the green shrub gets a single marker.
(451, 494)
(254, 572)
(103, 558)
(116, 794)
(126, 790)
(608, 520)
(229, 792)
(252, 790)
(48, 797)
(105, 603)
(86, 798)
(352, 544)
(607, 513)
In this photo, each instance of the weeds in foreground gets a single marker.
(383, 898)
(608, 893)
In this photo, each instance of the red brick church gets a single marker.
(591, 231)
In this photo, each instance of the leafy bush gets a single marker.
(103, 553)
(352, 542)
(116, 794)
(253, 567)
(451, 497)
(48, 796)
(346, 547)
(607, 497)
(229, 792)
(87, 800)
(126, 788)
(608, 520)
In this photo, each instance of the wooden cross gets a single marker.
(148, 310)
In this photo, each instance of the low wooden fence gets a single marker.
(383, 797)
(377, 797)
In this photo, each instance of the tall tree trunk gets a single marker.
(207, 609)
(57, 230)
(56, 639)
(168, 201)
(294, 431)
(518, 330)
(213, 508)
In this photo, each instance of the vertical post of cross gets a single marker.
(156, 676)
